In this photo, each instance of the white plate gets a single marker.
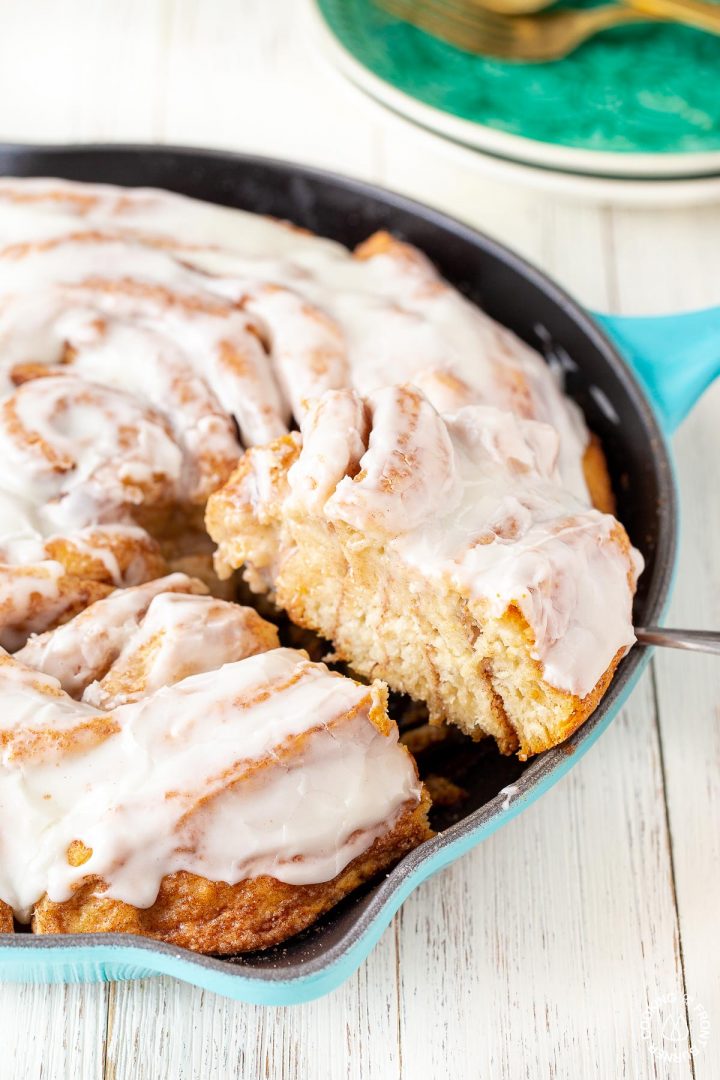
(610, 191)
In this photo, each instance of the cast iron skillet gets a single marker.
(518, 296)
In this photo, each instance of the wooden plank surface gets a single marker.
(679, 266)
(540, 952)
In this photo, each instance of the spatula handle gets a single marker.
(707, 641)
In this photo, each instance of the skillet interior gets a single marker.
(516, 295)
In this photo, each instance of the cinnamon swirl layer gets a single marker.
(441, 553)
(137, 640)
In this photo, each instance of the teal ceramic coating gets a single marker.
(652, 88)
(692, 343)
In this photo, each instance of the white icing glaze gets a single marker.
(192, 778)
(476, 497)
(184, 318)
(334, 439)
(407, 469)
(307, 347)
(508, 794)
(158, 323)
(88, 452)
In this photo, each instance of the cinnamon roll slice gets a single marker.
(441, 553)
(223, 813)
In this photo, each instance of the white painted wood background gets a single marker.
(537, 954)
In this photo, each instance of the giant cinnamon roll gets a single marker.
(432, 516)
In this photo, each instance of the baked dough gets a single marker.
(440, 553)
(223, 812)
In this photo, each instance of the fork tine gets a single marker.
(471, 35)
(469, 13)
(485, 23)
(458, 36)
(476, 17)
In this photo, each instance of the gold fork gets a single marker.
(548, 36)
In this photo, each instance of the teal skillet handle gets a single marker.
(675, 356)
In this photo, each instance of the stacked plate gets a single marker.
(633, 113)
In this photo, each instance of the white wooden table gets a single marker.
(538, 954)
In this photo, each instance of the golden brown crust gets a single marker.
(570, 711)
(214, 917)
(77, 591)
(443, 791)
(87, 578)
(7, 925)
(597, 476)
(582, 709)
(576, 710)
(380, 243)
(384, 243)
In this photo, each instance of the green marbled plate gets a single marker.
(634, 101)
